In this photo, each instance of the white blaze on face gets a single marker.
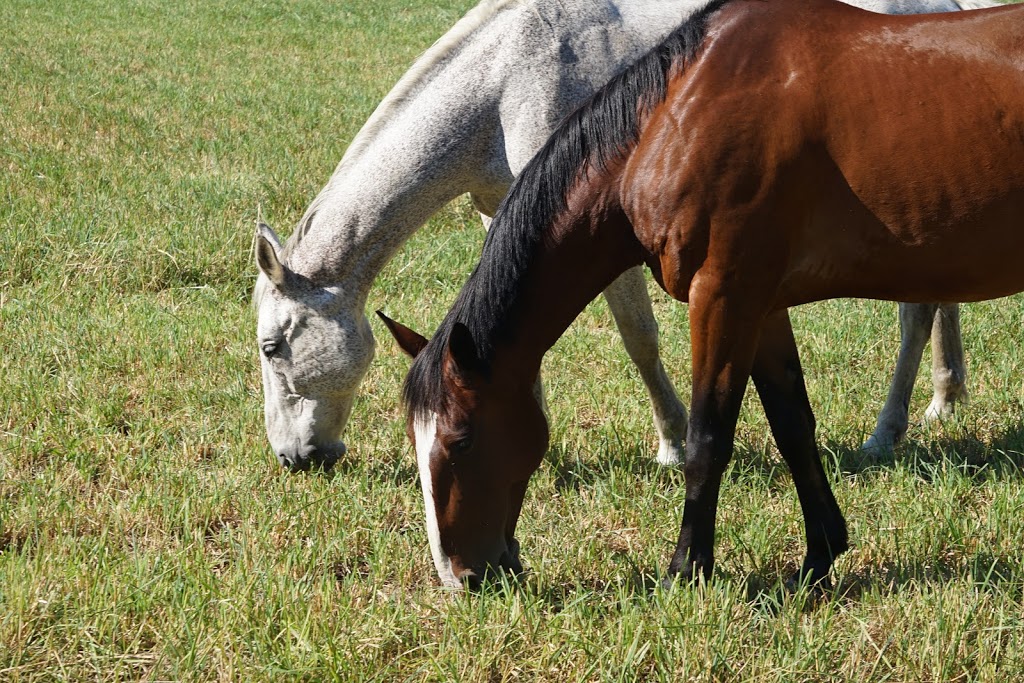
(425, 431)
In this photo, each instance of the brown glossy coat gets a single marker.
(807, 150)
(838, 154)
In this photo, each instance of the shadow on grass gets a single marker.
(985, 571)
(638, 586)
(1001, 458)
(397, 469)
(573, 471)
(769, 592)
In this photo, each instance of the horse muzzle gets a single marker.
(313, 459)
(508, 564)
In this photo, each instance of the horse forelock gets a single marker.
(599, 132)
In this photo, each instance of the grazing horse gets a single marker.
(466, 118)
(756, 160)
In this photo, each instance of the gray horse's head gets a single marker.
(315, 345)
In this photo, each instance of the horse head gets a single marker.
(315, 348)
(479, 434)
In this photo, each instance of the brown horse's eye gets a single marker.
(461, 446)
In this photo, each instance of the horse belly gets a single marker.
(850, 253)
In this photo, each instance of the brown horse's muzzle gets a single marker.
(507, 564)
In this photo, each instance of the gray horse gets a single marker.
(467, 117)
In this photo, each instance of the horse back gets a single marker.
(852, 135)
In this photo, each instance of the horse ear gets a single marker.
(268, 249)
(410, 342)
(463, 351)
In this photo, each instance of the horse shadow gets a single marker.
(1001, 457)
(392, 466)
(986, 572)
(769, 592)
(574, 470)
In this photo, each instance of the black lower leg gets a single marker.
(780, 385)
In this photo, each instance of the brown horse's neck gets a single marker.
(583, 251)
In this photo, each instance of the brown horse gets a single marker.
(769, 153)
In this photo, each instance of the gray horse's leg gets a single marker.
(915, 322)
(631, 307)
(949, 374)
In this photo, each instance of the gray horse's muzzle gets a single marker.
(314, 459)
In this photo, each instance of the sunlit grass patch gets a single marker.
(146, 532)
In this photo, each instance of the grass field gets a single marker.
(147, 533)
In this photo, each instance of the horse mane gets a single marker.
(437, 53)
(596, 134)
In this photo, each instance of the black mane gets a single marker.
(599, 132)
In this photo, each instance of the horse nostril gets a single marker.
(295, 464)
(326, 458)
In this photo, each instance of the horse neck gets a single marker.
(460, 126)
(585, 250)
(374, 203)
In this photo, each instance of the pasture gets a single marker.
(147, 532)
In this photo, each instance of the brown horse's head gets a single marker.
(479, 434)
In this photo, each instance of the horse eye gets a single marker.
(269, 349)
(461, 446)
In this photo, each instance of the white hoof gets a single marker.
(670, 454)
(939, 411)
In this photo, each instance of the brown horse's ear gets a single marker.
(463, 351)
(410, 342)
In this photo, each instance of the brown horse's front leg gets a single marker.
(780, 385)
(724, 327)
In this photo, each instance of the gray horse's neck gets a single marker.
(466, 118)
(415, 164)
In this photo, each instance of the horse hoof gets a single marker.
(814, 575)
(878, 444)
(939, 411)
(816, 589)
(671, 582)
(670, 454)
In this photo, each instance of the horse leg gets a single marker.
(630, 304)
(723, 338)
(949, 375)
(915, 321)
(780, 385)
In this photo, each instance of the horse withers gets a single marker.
(756, 160)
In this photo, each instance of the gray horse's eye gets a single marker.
(269, 349)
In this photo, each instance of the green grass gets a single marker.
(146, 532)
